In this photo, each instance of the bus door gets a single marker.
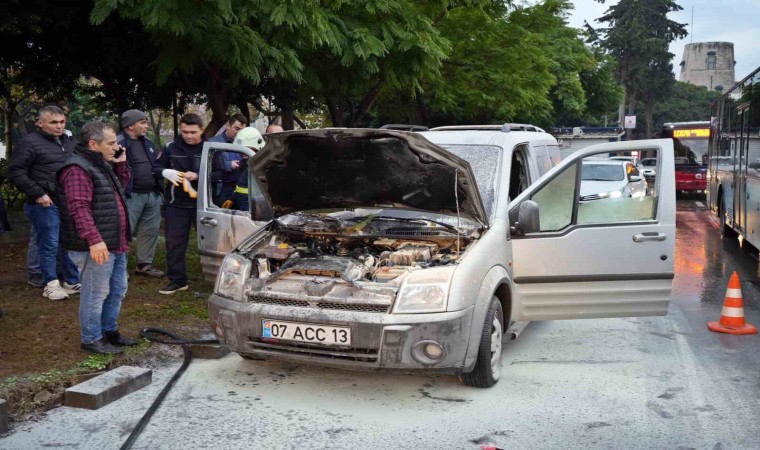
(740, 173)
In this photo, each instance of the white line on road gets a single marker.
(700, 204)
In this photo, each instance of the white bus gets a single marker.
(734, 160)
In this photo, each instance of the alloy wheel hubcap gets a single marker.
(496, 348)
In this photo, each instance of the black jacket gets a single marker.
(179, 156)
(35, 162)
(150, 149)
(103, 207)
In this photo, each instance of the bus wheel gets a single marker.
(725, 230)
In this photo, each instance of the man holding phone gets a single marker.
(95, 231)
(144, 189)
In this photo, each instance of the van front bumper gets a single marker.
(380, 341)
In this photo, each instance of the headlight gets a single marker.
(425, 291)
(232, 275)
(613, 194)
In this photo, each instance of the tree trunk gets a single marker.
(631, 112)
(218, 101)
(156, 126)
(423, 116)
(335, 114)
(649, 118)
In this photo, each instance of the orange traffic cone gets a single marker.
(732, 316)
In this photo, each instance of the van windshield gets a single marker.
(485, 162)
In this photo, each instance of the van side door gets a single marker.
(222, 225)
(596, 248)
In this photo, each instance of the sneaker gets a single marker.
(101, 347)
(72, 289)
(54, 291)
(36, 280)
(149, 270)
(172, 288)
(117, 340)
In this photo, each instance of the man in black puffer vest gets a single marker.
(95, 231)
(180, 162)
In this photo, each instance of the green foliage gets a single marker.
(685, 103)
(95, 363)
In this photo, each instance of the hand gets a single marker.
(191, 176)
(172, 175)
(99, 252)
(44, 201)
(235, 164)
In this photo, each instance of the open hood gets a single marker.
(350, 168)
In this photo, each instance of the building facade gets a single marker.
(709, 64)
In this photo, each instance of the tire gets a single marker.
(488, 364)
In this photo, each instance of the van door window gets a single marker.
(519, 178)
(228, 181)
(555, 201)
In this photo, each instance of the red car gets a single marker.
(690, 176)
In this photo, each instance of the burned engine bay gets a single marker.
(366, 249)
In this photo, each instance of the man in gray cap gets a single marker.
(144, 189)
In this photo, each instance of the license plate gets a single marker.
(306, 332)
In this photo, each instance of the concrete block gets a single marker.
(3, 416)
(97, 392)
(208, 351)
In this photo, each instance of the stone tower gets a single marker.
(709, 64)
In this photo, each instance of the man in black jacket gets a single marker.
(180, 163)
(32, 169)
(143, 190)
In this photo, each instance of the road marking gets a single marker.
(700, 204)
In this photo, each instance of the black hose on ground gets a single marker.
(152, 334)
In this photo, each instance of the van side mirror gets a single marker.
(528, 219)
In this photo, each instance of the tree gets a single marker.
(637, 35)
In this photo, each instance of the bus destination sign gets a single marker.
(692, 133)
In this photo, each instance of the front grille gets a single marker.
(296, 348)
(321, 305)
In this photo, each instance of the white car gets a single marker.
(632, 159)
(611, 179)
(650, 167)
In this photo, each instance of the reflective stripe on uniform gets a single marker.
(241, 190)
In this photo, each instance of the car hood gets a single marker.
(350, 168)
(590, 187)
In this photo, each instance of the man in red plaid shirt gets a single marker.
(95, 231)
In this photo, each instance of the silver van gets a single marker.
(388, 250)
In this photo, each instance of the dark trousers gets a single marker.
(177, 226)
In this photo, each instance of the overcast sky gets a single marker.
(736, 21)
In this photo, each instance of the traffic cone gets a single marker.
(732, 316)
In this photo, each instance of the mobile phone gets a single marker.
(118, 153)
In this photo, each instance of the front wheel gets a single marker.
(488, 365)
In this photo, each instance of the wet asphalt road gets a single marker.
(663, 382)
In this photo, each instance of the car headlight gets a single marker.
(611, 194)
(425, 291)
(232, 275)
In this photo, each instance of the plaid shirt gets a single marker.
(79, 189)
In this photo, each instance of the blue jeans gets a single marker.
(32, 259)
(50, 254)
(103, 288)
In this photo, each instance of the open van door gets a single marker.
(590, 240)
(220, 227)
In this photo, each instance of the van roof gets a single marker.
(488, 137)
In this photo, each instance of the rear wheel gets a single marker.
(488, 365)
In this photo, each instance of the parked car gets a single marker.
(390, 250)
(611, 179)
(650, 168)
(632, 159)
